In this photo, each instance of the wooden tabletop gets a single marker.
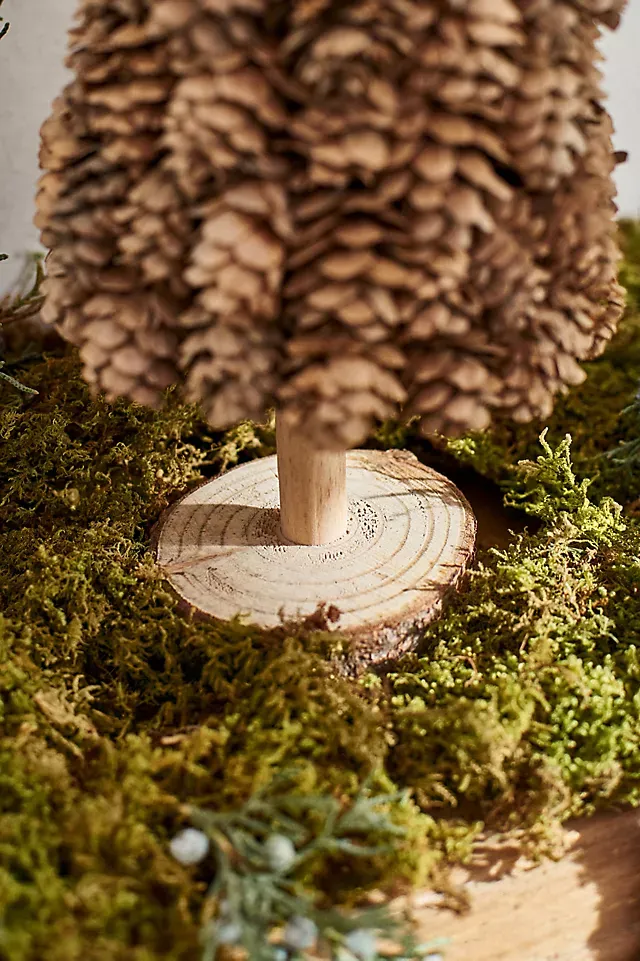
(584, 907)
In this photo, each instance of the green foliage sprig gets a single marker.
(627, 454)
(260, 855)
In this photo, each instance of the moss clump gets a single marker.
(524, 703)
(117, 710)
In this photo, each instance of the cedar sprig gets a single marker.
(257, 901)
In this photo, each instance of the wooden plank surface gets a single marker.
(585, 907)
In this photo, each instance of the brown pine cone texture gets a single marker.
(352, 211)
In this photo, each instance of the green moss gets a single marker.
(524, 704)
(141, 708)
(117, 711)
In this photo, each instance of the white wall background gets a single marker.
(622, 83)
(31, 74)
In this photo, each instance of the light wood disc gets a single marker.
(410, 536)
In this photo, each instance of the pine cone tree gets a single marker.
(351, 210)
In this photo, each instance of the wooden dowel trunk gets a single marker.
(313, 489)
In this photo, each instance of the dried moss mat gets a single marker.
(116, 710)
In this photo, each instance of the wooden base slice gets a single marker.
(410, 536)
